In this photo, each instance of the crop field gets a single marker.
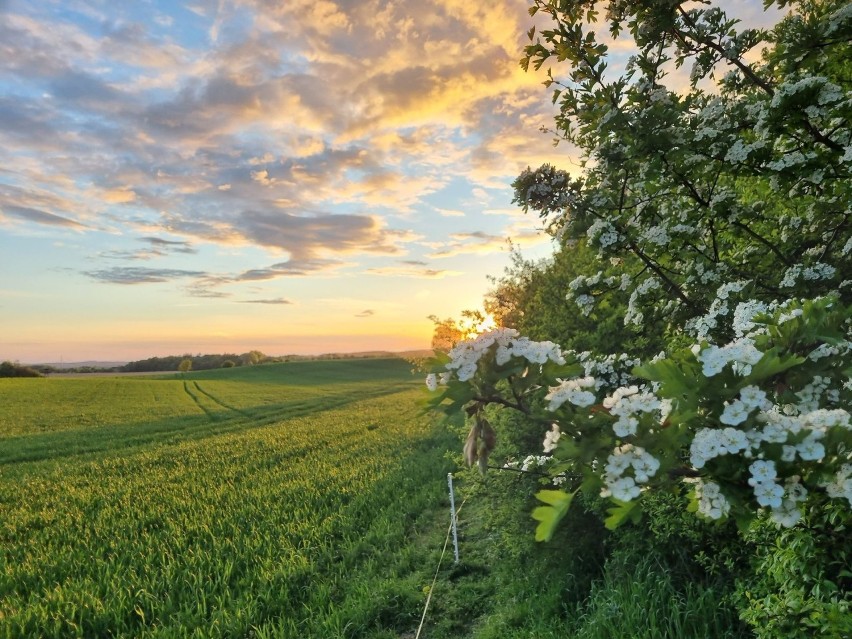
(284, 500)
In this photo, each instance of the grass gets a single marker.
(297, 500)
(225, 522)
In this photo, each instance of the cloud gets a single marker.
(290, 268)
(305, 236)
(412, 271)
(40, 217)
(137, 275)
(274, 301)
(292, 130)
(171, 246)
(366, 313)
(477, 242)
(121, 195)
(143, 254)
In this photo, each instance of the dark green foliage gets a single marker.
(800, 582)
(531, 297)
(173, 362)
(9, 369)
(687, 203)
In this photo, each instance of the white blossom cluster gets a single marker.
(711, 502)
(710, 443)
(742, 353)
(701, 326)
(533, 352)
(611, 371)
(763, 478)
(530, 462)
(551, 438)
(625, 403)
(465, 356)
(744, 314)
(783, 501)
(603, 232)
(830, 350)
(433, 380)
(789, 512)
(818, 271)
(578, 288)
(633, 315)
(658, 235)
(703, 275)
(778, 427)
(573, 391)
(626, 458)
(547, 186)
(811, 395)
(737, 411)
(841, 486)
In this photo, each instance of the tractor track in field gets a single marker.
(210, 414)
(218, 401)
(64, 444)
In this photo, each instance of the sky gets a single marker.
(289, 176)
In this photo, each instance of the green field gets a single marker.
(286, 500)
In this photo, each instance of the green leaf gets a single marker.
(743, 517)
(771, 364)
(591, 485)
(551, 371)
(549, 516)
(622, 511)
(673, 382)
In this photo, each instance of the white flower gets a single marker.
(552, 438)
(752, 397)
(762, 471)
(711, 502)
(432, 381)
(768, 493)
(787, 514)
(625, 489)
(810, 449)
(571, 390)
(734, 413)
(841, 486)
(613, 399)
(626, 458)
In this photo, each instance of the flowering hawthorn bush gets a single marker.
(699, 194)
(758, 423)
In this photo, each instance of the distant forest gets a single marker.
(186, 362)
(198, 362)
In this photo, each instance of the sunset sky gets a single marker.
(292, 176)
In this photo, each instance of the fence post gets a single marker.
(453, 518)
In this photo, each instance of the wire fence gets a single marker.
(451, 532)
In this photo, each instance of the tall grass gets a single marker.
(314, 524)
(638, 598)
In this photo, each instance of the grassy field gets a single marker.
(292, 500)
(304, 500)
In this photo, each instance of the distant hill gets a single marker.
(367, 355)
(86, 364)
